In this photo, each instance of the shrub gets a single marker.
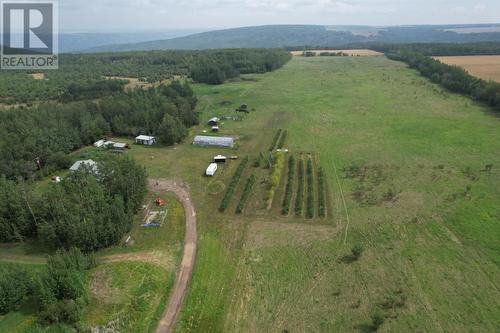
(299, 200)
(322, 192)
(378, 319)
(233, 184)
(289, 186)
(246, 194)
(310, 189)
(357, 250)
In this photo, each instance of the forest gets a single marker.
(38, 139)
(86, 76)
(442, 49)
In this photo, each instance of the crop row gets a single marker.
(282, 139)
(278, 165)
(289, 185)
(299, 200)
(322, 192)
(275, 140)
(246, 194)
(232, 186)
(310, 188)
(258, 161)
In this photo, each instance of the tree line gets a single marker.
(453, 78)
(90, 210)
(87, 76)
(40, 138)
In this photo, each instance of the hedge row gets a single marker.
(310, 189)
(299, 200)
(279, 164)
(282, 139)
(275, 140)
(322, 193)
(289, 186)
(245, 195)
(232, 186)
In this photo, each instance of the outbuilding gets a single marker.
(84, 163)
(212, 168)
(215, 128)
(119, 146)
(218, 141)
(213, 121)
(99, 143)
(220, 159)
(145, 140)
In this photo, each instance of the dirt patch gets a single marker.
(158, 258)
(37, 76)
(484, 67)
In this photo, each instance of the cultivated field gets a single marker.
(486, 67)
(351, 52)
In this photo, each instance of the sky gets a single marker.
(158, 15)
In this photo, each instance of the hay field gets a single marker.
(351, 52)
(486, 67)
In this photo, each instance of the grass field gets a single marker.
(486, 67)
(413, 174)
(416, 196)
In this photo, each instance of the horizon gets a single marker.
(148, 15)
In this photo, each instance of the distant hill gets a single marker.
(314, 35)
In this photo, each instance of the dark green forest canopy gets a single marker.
(86, 76)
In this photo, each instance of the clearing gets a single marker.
(350, 52)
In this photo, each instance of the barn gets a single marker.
(217, 141)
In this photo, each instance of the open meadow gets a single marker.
(486, 67)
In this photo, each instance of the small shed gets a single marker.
(119, 146)
(220, 159)
(145, 140)
(87, 163)
(213, 121)
(99, 143)
(212, 168)
(218, 141)
(215, 128)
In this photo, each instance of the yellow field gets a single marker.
(361, 52)
(485, 67)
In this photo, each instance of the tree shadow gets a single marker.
(348, 259)
(365, 328)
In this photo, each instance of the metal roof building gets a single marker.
(218, 141)
(89, 163)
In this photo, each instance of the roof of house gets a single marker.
(119, 145)
(145, 137)
(214, 141)
(78, 164)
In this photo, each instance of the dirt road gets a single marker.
(183, 275)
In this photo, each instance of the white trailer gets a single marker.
(212, 168)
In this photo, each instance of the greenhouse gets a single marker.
(218, 141)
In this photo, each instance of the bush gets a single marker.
(310, 189)
(233, 184)
(289, 186)
(246, 194)
(357, 250)
(378, 319)
(299, 200)
(322, 192)
(258, 161)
